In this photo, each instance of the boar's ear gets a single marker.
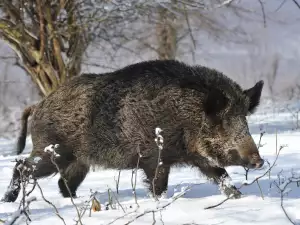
(215, 102)
(254, 95)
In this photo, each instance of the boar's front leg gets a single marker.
(161, 181)
(22, 172)
(73, 176)
(221, 178)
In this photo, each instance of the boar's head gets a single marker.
(226, 137)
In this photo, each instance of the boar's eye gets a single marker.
(215, 102)
(254, 95)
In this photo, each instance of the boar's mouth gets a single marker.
(256, 165)
(235, 158)
(253, 164)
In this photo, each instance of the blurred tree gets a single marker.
(52, 36)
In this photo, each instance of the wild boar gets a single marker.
(110, 119)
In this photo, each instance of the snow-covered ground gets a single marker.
(255, 207)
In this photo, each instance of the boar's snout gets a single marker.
(256, 165)
(250, 155)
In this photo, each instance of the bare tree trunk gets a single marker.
(50, 50)
(166, 34)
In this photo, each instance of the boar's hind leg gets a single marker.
(22, 170)
(161, 181)
(220, 177)
(74, 174)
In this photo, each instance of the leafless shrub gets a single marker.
(282, 184)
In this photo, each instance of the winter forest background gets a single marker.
(247, 40)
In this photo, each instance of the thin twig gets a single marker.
(263, 12)
(153, 216)
(50, 203)
(255, 180)
(296, 3)
(64, 180)
(189, 26)
(279, 7)
(118, 182)
(159, 141)
(158, 209)
(262, 195)
(247, 184)
(118, 201)
(123, 216)
(133, 183)
(18, 213)
(214, 206)
(86, 206)
(283, 191)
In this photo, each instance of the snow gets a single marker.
(51, 149)
(189, 193)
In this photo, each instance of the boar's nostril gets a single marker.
(259, 164)
(256, 165)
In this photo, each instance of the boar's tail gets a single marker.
(23, 133)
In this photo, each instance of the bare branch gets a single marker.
(42, 28)
(284, 190)
(50, 203)
(17, 214)
(133, 182)
(160, 208)
(51, 149)
(159, 141)
(280, 6)
(263, 12)
(296, 3)
(189, 27)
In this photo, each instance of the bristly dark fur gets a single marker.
(254, 94)
(103, 119)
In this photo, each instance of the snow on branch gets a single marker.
(20, 212)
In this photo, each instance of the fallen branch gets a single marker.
(214, 206)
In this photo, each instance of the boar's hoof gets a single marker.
(232, 192)
(10, 197)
